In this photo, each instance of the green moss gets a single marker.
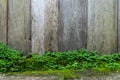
(67, 63)
(60, 73)
(67, 74)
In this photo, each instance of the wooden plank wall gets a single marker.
(3, 20)
(102, 29)
(118, 25)
(37, 10)
(51, 25)
(44, 25)
(73, 23)
(19, 24)
(60, 25)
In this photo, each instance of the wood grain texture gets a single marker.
(73, 23)
(19, 25)
(118, 25)
(38, 9)
(51, 25)
(102, 29)
(3, 20)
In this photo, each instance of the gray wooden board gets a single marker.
(19, 25)
(102, 29)
(119, 25)
(51, 25)
(38, 7)
(3, 20)
(72, 24)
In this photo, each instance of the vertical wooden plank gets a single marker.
(19, 24)
(38, 8)
(51, 25)
(102, 29)
(118, 25)
(73, 23)
(3, 20)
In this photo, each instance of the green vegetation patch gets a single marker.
(60, 73)
(57, 62)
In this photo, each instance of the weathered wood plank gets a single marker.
(3, 20)
(119, 25)
(73, 23)
(102, 29)
(38, 7)
(51, 25)
(19, 24)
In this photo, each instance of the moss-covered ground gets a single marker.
(73, 63)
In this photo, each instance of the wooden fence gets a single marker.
(60, 25)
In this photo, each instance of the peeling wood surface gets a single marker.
(19, 24)
(102, 29)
